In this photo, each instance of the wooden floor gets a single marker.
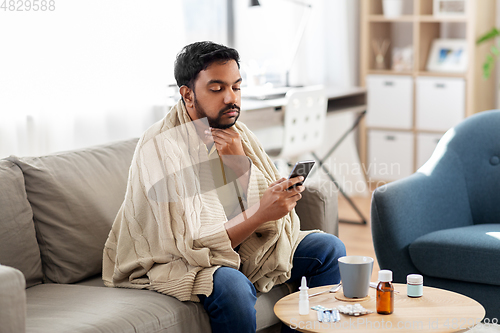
(357, 238)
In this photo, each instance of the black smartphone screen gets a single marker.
(301, 168)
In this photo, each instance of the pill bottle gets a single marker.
(385, 292)
(414, 285)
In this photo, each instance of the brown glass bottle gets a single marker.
(385, 293)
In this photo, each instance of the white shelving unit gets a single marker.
(408, 111)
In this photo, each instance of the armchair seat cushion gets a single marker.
(467, 254)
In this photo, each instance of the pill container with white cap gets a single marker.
(415, 285)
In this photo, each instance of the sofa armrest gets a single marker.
(318, 208)
(12, 300)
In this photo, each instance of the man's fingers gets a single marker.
(221, 136)
(228, 142)
(220, 142)
(226, 134)
(297, 189)
(297, 179)
(290, 182)
(282, 179)
(293, 205)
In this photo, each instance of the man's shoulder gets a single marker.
(157, 129)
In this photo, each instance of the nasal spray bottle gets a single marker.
(303, 297)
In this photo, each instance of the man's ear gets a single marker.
(187, 96)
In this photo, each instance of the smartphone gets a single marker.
(301, 168)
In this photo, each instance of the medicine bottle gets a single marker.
(414, 285)
(385, 293)
(303, 297)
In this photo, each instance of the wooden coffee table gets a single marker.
(437, 310)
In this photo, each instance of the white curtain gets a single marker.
(92, 71)
(328, 52)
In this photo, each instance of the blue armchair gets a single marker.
(444, 220)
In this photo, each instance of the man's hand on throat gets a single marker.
(230, 149)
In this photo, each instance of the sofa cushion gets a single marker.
(18, 246)
(82, 309)
(75, 197)
(264, 305)
(466, 254)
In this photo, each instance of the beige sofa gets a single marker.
(55, 215)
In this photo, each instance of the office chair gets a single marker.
(304, 124)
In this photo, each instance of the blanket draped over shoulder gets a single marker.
(169, 233)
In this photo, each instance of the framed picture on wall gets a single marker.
(448, 55)
(449, 7)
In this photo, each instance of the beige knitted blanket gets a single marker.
(169, 233)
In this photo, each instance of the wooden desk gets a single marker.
(258, 114)
(437, 310)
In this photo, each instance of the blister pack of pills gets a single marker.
(319, 308)
(353, 310)
(326, 315)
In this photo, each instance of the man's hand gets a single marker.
(277, 201)
(228, 144)
(227, 141)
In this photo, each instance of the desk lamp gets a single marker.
(298, 38)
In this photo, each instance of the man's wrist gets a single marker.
(255, 213)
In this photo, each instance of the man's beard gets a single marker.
(216, 122)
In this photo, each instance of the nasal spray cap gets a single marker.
(303, 297)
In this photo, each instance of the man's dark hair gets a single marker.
(196, 57)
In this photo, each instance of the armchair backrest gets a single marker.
(472, 149)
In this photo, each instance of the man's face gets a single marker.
(217, 94)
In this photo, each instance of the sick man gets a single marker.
(206, 216)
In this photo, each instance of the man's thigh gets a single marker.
(230, 283)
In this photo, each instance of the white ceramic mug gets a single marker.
(355, 272)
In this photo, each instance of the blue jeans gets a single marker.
(231, 306)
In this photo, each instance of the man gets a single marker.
(206, 217)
